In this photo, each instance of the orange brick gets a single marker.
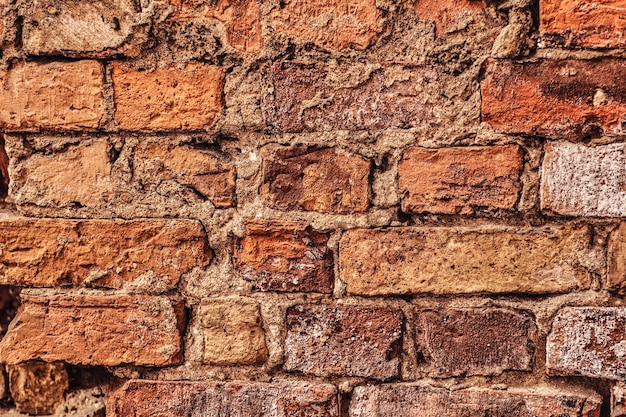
(167, 99)
(55, 96)
(447, 13)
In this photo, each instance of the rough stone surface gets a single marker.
(38, 387)
(78, 28)
(233, 331)
(207, 172)
(311, 179)
(139, 255)
(305, 98)
(149, 398)
(579, 180)
(326, 340)
(55, 95)
(481, 341)
(169, 98)
(96, 330)
(334, 25)
(241, 19)
(555, 98)
(460, 180)
(407, 400)
(4, 384)
(618, 400)
(616, 260)
(460, 260)
(288, 257)
(583, 23)
(449, 15)
(588, 341)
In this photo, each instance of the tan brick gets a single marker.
(404, 400)
(84, 28)
(616, 260)
(56, 96)
(588, 341)
(579, 180)
(233, 331)
(460, 180)
(80, 176)
(325, 340)
(475, 341)
(230, 399)
(314, 179)
(332, 24)
(284, 257)
(496, 259)
(303, 98)
(168, 98)
(583, 23)
(96, 330)
(38, 387)
(618, 400)
(139, 255)
(241, 19)
(555, 98)
(448, 15)
(209, 173)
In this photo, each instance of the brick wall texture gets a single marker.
(281, 208)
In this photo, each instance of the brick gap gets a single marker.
(4, 171)
(9, 303)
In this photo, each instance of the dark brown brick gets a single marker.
(285, 257)
(172, 398)
(480, 341)
(326, 340)
(37, 387)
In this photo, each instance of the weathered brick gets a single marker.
(579, 180)
(231, 399)
(56, 96)
(241, 19)
(80, 176)
(233, 333)
(301, 99)
(207, 172)
(284, 257)
(460, 180)
(583, 23)
(332, 24)
(464, 260)
(555, 98)
(326, 340)
(618, 400)
(96, 330)
(139, 255)
(79, 28)
(616, 260)
(448, 15)
(404, 400)
(37, 387)
(168, 98)
(313, 179)
(475, 341)
(588, 341)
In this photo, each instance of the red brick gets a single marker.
(55, 96)
(241, 19)
(287, 257)
(96, 330)
(400, 400)
(326, 340)
(493, 259)
(37, 387)
(460, 180)
(332, 24)
(84, 28)
(448, 13)
(588, 341)
(580, 180)
(555, 98)
(313, 179)
(144, 255)
(583, 23)
(479, 341)
(168, 98)
(302, 101)
(231, 399)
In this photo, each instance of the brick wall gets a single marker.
(348, 208)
